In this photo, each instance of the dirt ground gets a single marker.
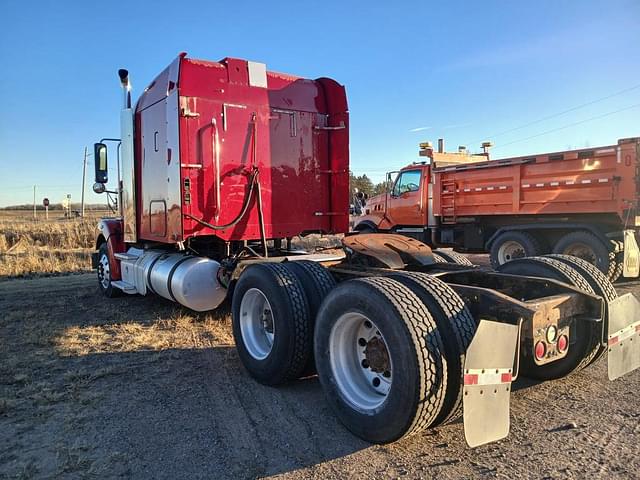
(138, 387)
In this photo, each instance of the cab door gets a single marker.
(406, 199)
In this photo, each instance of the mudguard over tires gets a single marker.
(585, 336)
(380, 359)
(271, 323)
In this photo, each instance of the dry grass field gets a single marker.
(45, 247)
(31, 248)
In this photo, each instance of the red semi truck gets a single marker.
(583, 203)
(222, 163)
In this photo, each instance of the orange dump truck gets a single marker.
(578, 202)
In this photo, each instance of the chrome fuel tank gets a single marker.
(191, 281)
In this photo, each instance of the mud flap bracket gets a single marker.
(623, 336)
(488, 373)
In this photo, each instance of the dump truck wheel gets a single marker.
(104, 273)
(271, 323)
(586, 245)
(584, 335)
(511, 246)
(380, 359)
(317, 282)
(457, 327)
(454, 257)
(597, 280)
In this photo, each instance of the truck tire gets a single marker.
(597, 280)
(589, 247)
(104, 273)
(454, 257)
(380, 359)
(316, 282)
(619, 262)
(437, 258)
(585, 336)
(457, 327)
(511, 245)
(364, 228)
(271, 323)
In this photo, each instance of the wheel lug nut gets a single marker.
(362, 342)
(376, 382)
(365, 363)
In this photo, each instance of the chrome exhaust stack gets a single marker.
(127, 182)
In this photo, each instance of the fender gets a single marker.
(375, 222)
(111, 233)
(548, 226)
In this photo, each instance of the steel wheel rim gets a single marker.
(583, 251)
(257, 325)
(361, 386)
(510, 250)
(104, 274)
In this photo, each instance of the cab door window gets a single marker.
(408, 181)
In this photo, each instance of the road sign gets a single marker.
(45, 202)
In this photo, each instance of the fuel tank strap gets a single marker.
(149, 270)
(170, 277)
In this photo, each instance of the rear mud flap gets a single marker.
(631, 255)
(488, 372)
(624, 335)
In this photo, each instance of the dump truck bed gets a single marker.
(598, 180)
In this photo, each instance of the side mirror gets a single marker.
(100, 156)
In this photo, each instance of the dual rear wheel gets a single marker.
(389, 351)
(601, 252)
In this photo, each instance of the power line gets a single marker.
(554, 115)
(568, 125)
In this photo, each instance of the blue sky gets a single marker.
(414, 71)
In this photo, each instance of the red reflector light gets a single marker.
(540, 350)
(471, 379)
(613, 340)
(563, 343)
(506, 378)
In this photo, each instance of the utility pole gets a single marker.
(34, 202)
(84, 173)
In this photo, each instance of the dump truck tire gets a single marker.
(619, 262)
(271, 323)
(586, 337)
(597, 280)
(316, 282)
(511, 245)
(400, 335)
(457, 328)
(104, 273)
(454, 257)
(589, 247)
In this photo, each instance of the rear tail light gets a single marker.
(540, 350)
(563, 343)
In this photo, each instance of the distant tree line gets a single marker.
(364, 184)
